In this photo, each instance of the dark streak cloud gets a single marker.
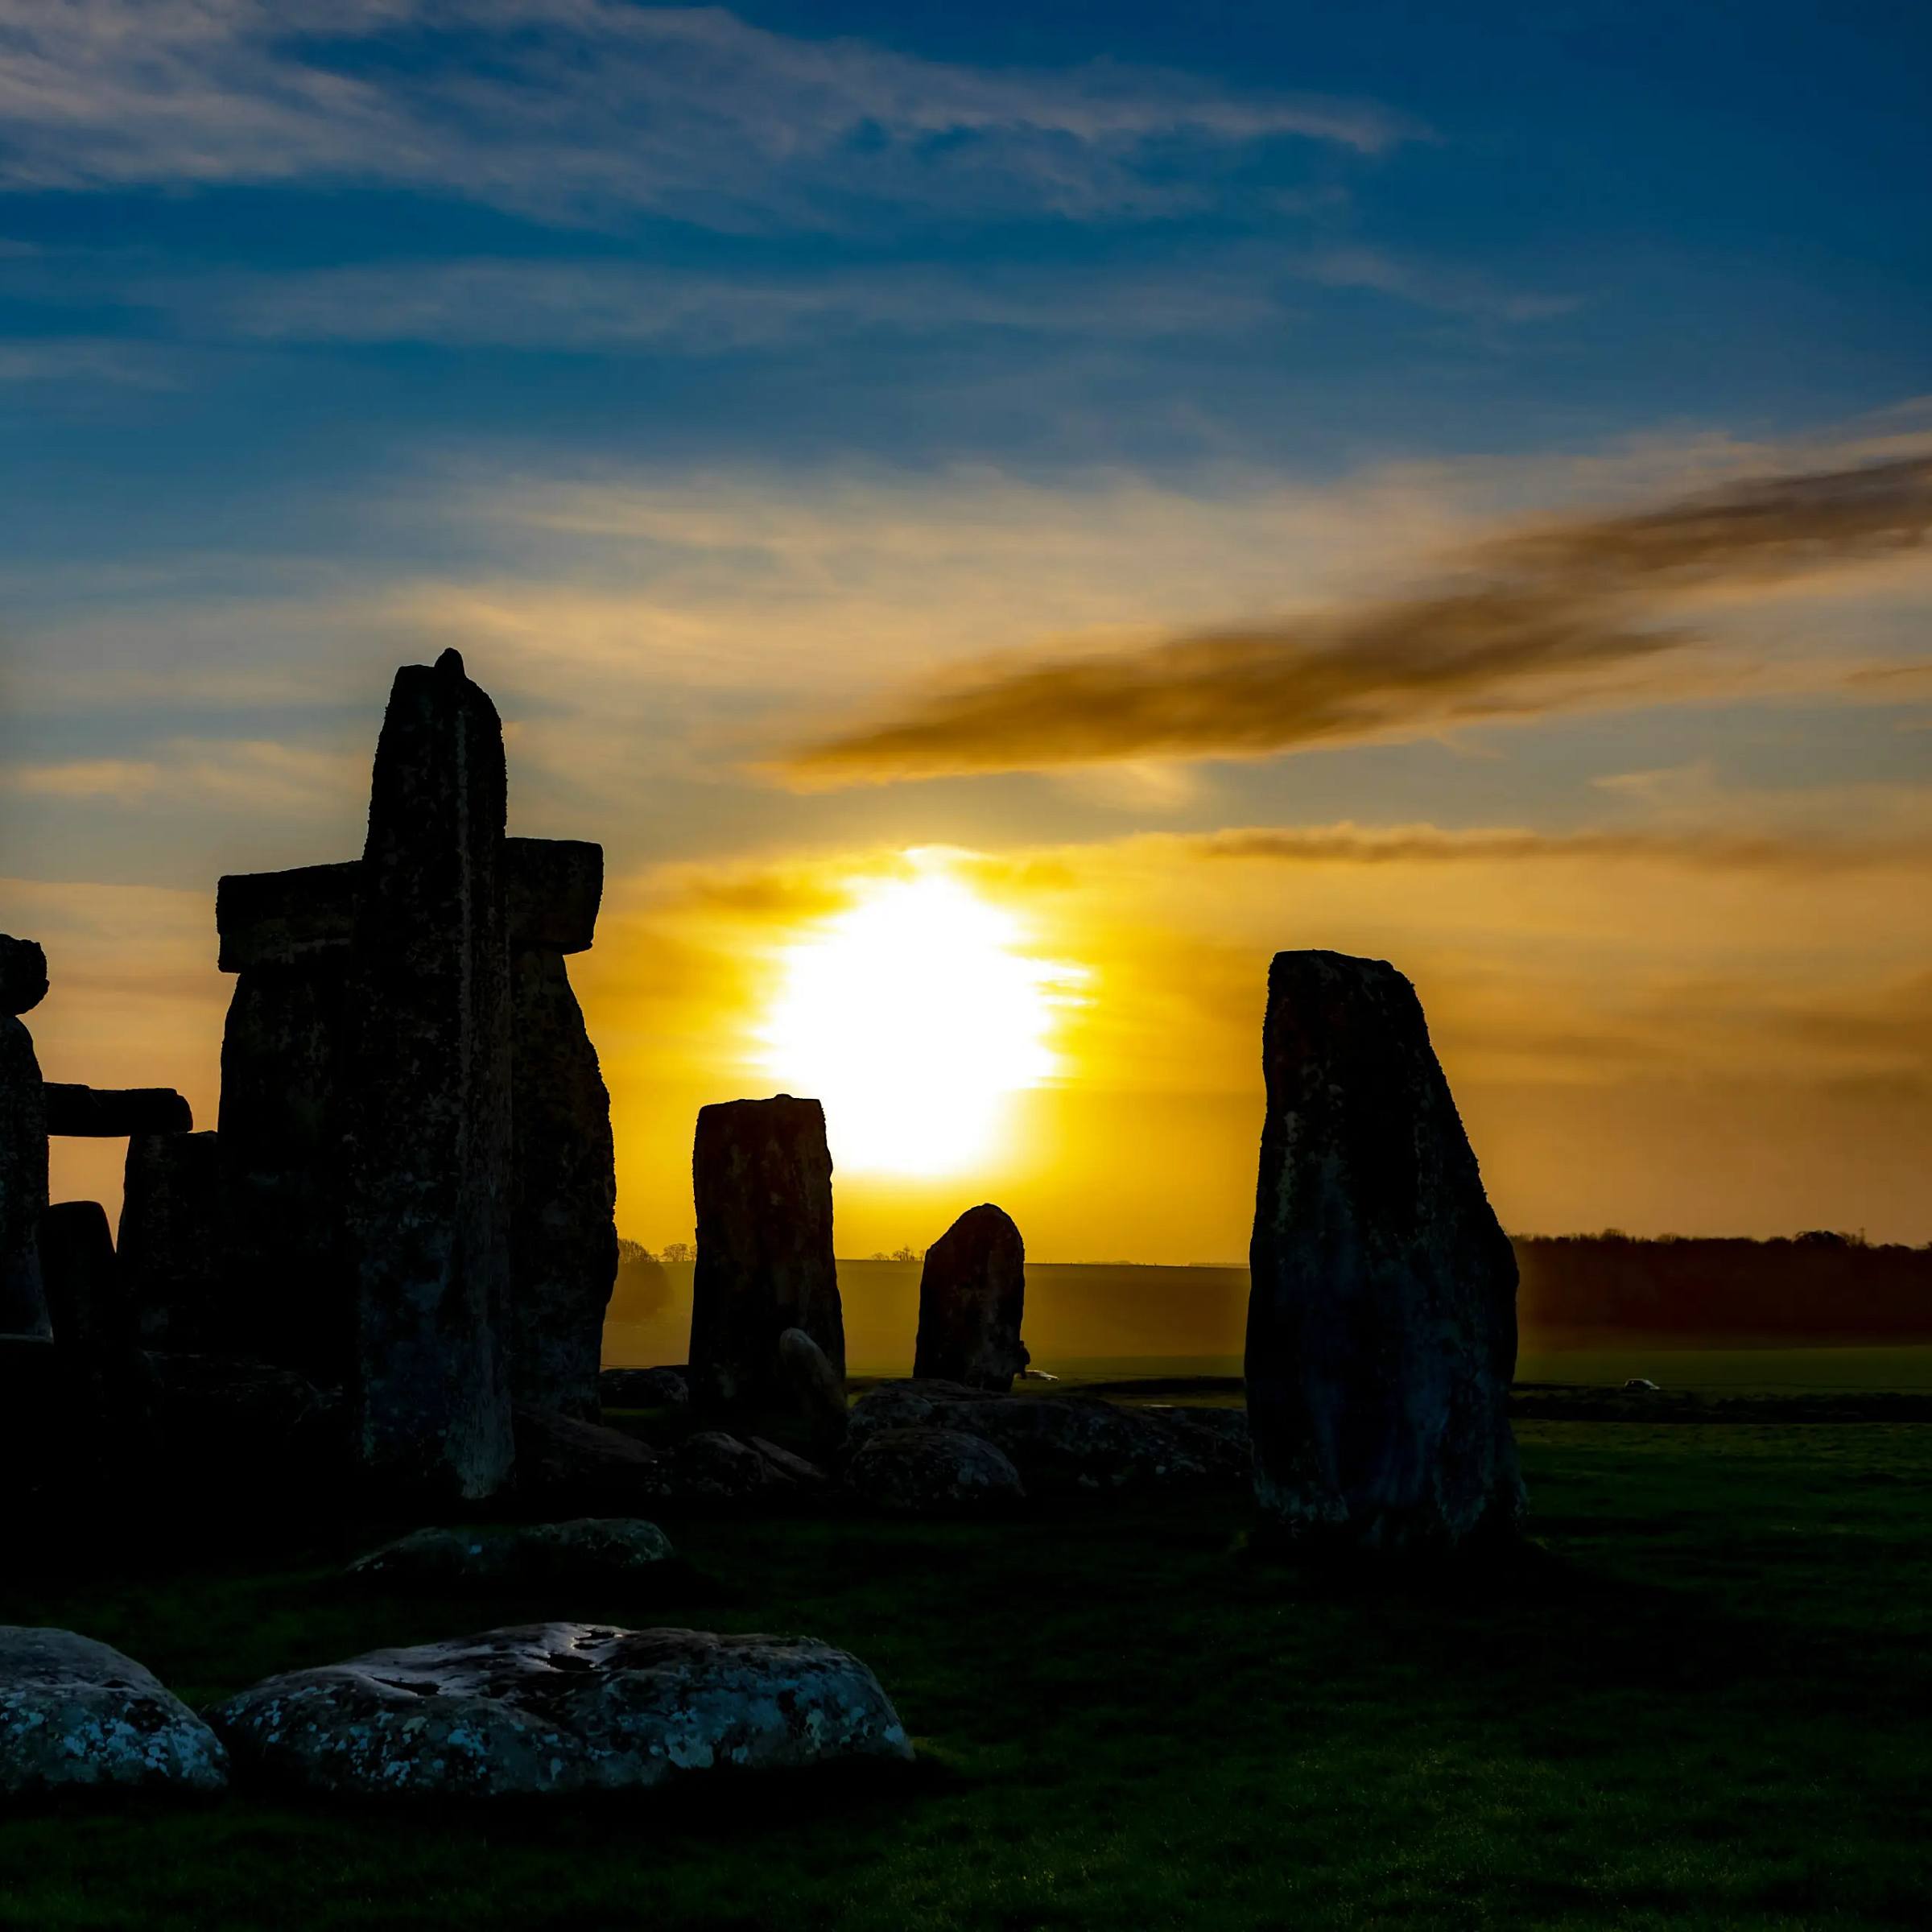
(1536, 618)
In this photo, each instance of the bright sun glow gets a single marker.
(914, 1017)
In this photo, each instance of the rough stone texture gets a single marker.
(762, 1179)
(171, 1241)
(23, 1182)
(289, 1291)
(563, 1230)
(22, 974)
(816, 1389)
(555, 887)
(712, 1469)
(108, 1113)
(1061, 1445)
(793, 1467)
(589, 1550)
(972, 1293)
(74, 1712)
(427, 1092)
(1381, 1317)
(563, 1462)
(644, 1389)
(309, 912)
(560, 1708)
(934, 1472)
(282, 919)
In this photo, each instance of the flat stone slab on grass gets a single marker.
(591, 1550)
(561, 1708)
(75, 1713)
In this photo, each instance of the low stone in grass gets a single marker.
(935, 1472)
(644, 1389)
(560, 1709)
(591, 1549)
(75, 1713)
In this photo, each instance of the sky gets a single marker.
(1151, 486)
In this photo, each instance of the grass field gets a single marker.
(1699, 1702)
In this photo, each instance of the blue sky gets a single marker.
(720, 380)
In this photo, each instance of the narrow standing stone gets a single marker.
(1381, 1314)
(564, 1231)
(289, 1286)
(972, 1294)
(170, 1242)
(427, 1082)
(762, 1175)
(22, 1181)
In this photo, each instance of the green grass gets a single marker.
(1700, 1702)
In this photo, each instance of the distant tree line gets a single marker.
(1816, 1285)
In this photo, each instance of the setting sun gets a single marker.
(915, 1016)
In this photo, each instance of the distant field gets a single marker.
(1105, 1322)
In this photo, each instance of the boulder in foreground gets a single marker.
(555, 1709)
(74, 1712)
(1381, 1312)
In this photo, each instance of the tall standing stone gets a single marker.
(427, 1095)
(1381, 1315)
(170, 1242)
(289, 1288)
(22, 1141)
(563, 1229)
(972, 1294)
(762, 1175)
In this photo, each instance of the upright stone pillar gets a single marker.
(22, 1141)
(972, 1294)
(761, 1174)
(1381, 1314)
(171, 1242)
(564, 1231)
(427, 1095)
(289, 1288)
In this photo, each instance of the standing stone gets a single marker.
(170, 1242)
(972, 1292)
(426, 1095)
(84, 1288)
(761, 1174)
(22, 1180)
(1381, 1316)
(563, 1229)
(289, 1286)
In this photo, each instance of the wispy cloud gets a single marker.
(1550, 614)
(582, 109)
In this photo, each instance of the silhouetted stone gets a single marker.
(284, 919)
(85, 1292)
(934, 1472)
(972, 1292)
(109, 1112)
(23, 1182)
(426, 1090)
(306, 913)
(171, 1241)
(762, 1178)
(1381, 1317)
(289, 1290)
(562, 1708)
(554, 888)
(75, 1713)
(22, 974)
(563, 1233)
(817, 1389)
(564, 1462)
